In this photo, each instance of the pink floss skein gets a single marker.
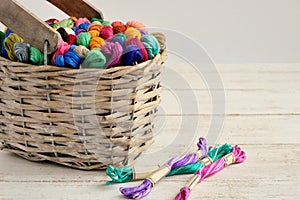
(82, 20)
(113, 53)
(63, 48)
(236, 156)
(107, 32)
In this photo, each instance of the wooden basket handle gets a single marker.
(78, 8)
(35, 31)
(28, 26)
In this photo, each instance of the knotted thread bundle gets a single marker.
(237, 156)
(127, 174)
(145, 188)
(213, 155)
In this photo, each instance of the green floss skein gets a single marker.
(121, 175)
(97, 20)
(215, 154)
(94, 59)
(121, 36)
(106, 23)
(151, 44)
(66, 23)
(84, 39)
(2, 36)
(37, 57)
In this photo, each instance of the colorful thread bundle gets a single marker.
(127, 174)
(117, 44)
(236, 156)
(212, 161)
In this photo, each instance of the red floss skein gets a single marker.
(71, 39)
(118, 27)
(107, 32)
(137, 42)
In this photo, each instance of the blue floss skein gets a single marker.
(72, 59)
(59, 61)
(83, 26)
(132, 55)
(120, 41)
(3, 50)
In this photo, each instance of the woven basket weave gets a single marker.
(86, 118)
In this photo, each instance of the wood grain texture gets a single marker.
(262, 116)
(79, 8)
(28, 26)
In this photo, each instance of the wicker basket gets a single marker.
(86, 118)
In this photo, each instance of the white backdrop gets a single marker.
(232, 31)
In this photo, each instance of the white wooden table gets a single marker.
(262, 116)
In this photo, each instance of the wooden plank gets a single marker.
(261, 176)
(28, 26)
(237, 102)
(81, 8)
(235, 77)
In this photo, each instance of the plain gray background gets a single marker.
(231, 31)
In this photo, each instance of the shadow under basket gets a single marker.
(82, 118)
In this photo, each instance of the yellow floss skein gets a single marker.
(133, 33)
(9, 43)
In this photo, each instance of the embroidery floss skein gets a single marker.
(118, 27)
(3, 50)
(107, 32)
(9, 43)
(127, 174)
(145, 188)
(82, 20)
(94, 59)
(97, 42)
(21, 50)
(236, 156)
(57, 58)
(132, 55)
(213, 155)
(36, 56)
(120, 38)
(133, 33)
(72, 59)
(151, 44)
(137, 25)
(113, 53)
(84, 39)
(82, 51)
(2, 35)
(137, 42)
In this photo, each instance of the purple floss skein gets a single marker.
(143, 32)
(113, 53)
(118, 40)
(145, 188)
(79, 31)
(132, 55)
